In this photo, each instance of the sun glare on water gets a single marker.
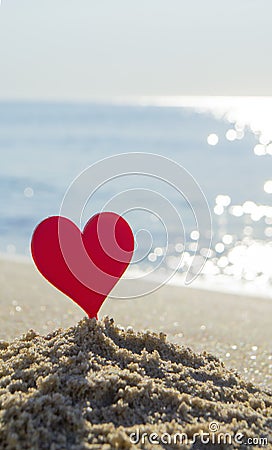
(244, 255)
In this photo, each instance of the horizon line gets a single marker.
(206, 101)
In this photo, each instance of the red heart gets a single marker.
(85, 266)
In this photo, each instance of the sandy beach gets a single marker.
(97, 386)
(68, 383)
(234, 328)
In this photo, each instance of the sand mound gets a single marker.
(92, 385)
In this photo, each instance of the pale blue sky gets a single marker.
(81, 49)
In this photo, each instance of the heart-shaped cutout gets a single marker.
(85, 266)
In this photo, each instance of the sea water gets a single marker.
(225, 144)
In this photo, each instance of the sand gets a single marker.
(235, 328)
(96, 386)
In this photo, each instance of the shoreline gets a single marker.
(222, 284)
